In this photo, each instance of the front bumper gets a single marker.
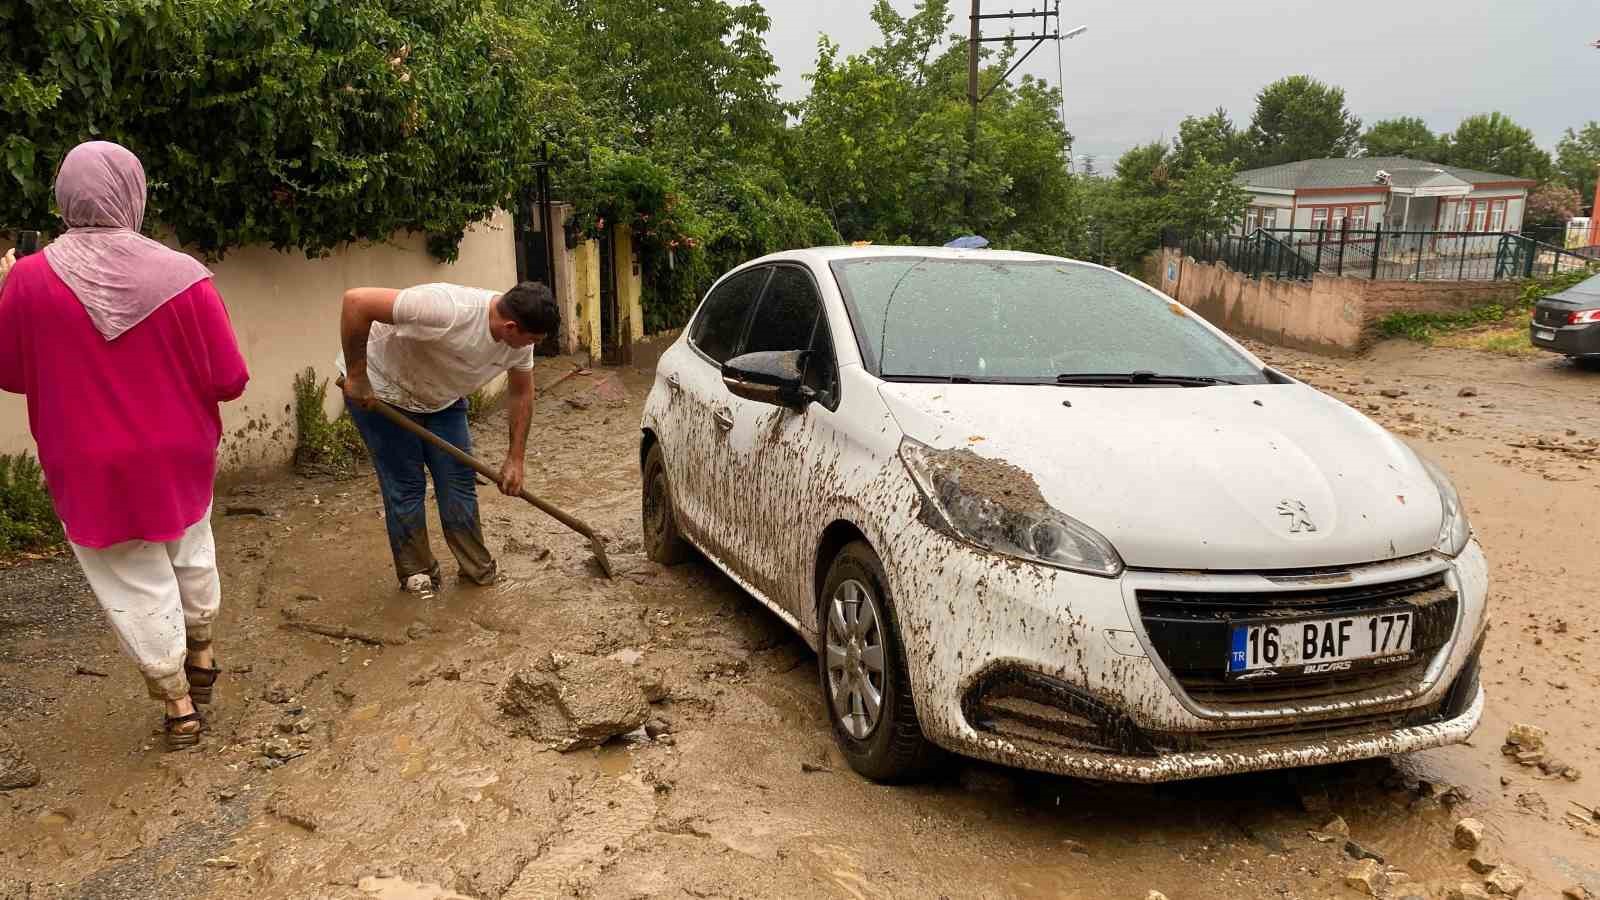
(1573, 340)
(1052, 671)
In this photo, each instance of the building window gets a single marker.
(1319, 218)
(1480, 215)
(1269, 218)
(1251, 220)
(1463, 216)
(1358, 217)
(1497, 216)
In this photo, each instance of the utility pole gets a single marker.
(1044, 31)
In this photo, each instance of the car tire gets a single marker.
(663, 543)
(889, 747)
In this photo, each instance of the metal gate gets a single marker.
(534, 239)
(610, 325)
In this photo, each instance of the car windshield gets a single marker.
(920, 318)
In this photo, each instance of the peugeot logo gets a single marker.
(1299, 516)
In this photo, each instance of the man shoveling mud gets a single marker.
(423, 350)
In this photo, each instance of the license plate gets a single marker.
(1544, 334)
(1314, 646)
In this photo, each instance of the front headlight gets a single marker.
(997, 506)
(1455, 531)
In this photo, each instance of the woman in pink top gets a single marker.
(124, 350)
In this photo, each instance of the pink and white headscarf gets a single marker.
(119, 275)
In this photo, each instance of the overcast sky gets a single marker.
(1143, 66)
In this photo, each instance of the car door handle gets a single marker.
(724, 419)
(674, 382)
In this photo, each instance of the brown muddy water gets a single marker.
(379, 766)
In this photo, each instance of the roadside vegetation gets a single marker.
(28, 522)
(323, 447)
(1493, 327)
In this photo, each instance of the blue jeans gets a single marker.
(400, 459)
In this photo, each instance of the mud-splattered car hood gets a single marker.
(1228, 477)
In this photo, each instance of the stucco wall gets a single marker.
(1326, 315)
(285, 310)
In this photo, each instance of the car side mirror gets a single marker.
(774, 377)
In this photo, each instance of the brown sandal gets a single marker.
(178, 740)
(201, 679)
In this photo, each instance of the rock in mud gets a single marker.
(1357, 851)
(1469, 834)
(1576, 892)
(1155, 895)
(1506, 882)
(1314, 800)
(1483, 863)
(1467, 392)
(657, 727)
(1392, 393)
(1337, 825)
(15, 770)
(1410, 892)
(575, 702)
(1466, 890)
(654, 685)
(1526, 737)
(1367, 878)
(277, 692)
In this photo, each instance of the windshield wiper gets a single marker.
(1140, 377)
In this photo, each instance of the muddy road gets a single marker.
(360, 747)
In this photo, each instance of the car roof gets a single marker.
(825, 255)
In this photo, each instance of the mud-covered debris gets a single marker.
(1410, 891)
(1072, 846)
(221, 862)
(1469, 834)
(246, 511)
(1155, 895)
(1392, 393)
(292, 811)
(812, 768)
(1323, 837)
(1356, 850)
(1467, 890)
(1533, 802)
(1367, 878)
(580, 402)
(574, 702)
(654, 684)
(1315, 801)
(1576, 892)
(279, 749)
(1467, 392)
(1483, 862)
(1506, 882)
(1526, 737)
(657, 727)
(16, 772)
(1337, 825)
(1530, 757)
(1453, 796)
(277, 692)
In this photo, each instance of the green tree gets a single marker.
(1406, 136)
(1299, 117)
(1212, 138)
(295, 123)
(1578, 158)
(1491, 142)
(1150, 194)
(881, 145)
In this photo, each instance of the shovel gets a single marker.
(483, 468)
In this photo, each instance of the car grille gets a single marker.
(1189, 631)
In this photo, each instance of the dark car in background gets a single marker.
(1569, 321)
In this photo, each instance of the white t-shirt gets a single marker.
(438, 350)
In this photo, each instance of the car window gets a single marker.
(1024, 321)
(719, 326)
(790, 318)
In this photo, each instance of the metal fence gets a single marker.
(1381, 255)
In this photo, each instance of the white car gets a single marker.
(1032, 511)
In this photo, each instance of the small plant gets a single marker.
(480, 404)
(323, 447)
(27, 517)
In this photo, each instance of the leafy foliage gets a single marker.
(1406, 136)
(1298, 118)
(1552, 204)
(1155, 189)
(1213, 139)
(295, 123)
(323, 447)
(1492, 142)
(27, 517)
(882, 146)
(1578, 158)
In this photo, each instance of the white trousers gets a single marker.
(160, 598)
